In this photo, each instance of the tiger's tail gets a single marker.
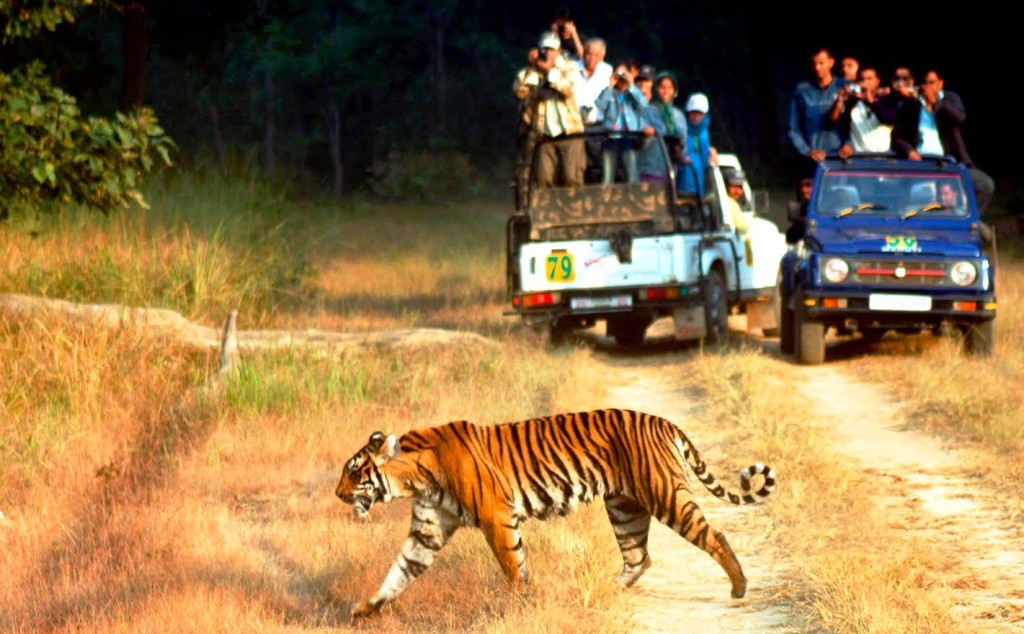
(700, 469)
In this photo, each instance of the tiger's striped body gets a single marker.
(495, 477)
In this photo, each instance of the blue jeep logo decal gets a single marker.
(901, 244)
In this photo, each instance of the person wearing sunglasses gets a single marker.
(930, 124)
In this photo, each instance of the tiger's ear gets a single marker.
(391, 451)
(376, 441)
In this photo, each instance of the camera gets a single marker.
(561, 17)
(854, 89)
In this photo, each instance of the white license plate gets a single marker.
(908, 303)
(615, 301)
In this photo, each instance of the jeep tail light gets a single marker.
(834, 302)
(963, 273)
(967, 307)
(533, 300)
(671, 292)
(836, 270)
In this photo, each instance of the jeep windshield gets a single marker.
(896, 194)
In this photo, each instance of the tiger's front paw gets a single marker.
(364, 609)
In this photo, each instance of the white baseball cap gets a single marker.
(698, 101)
(549, 39)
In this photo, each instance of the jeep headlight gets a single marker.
(963, 273)
(836, 270)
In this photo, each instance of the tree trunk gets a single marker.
(218, 137)
(133, 82)
(269, 130)
(440, 19)
(334, 125)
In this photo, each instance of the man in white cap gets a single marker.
(556, 114)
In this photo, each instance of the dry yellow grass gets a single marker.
(133, 503)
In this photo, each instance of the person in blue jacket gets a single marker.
(621, 105)
(815, 126)
(699, 151)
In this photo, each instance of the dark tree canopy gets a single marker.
(409, 94)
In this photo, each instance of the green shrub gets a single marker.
(50, 152)
(424, 177)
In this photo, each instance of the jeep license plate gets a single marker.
(615, 301)
(904, 303)
(559, 266)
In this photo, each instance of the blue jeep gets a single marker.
(888, 244)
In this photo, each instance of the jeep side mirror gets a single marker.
(793, 211)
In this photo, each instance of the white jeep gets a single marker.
(630, 253)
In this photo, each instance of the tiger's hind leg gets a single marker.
(431, 528)
(680, 513)
(631, 523)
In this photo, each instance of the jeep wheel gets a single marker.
(786, 335)
(716, 310)
(980, 338)
(628, 330)
(809, 337)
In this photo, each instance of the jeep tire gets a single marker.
(786, 334)
(979, 338)
(809, 336)
(716, 310)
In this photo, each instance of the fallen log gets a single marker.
(168, 322)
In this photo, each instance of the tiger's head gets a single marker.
(363, 481)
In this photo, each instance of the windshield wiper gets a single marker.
(861, 207)
(930, 207)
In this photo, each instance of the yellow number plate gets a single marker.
(559, 266)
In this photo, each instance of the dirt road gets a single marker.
(924, 485)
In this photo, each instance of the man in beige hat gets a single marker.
(556, 115)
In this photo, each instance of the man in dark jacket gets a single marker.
(930, 124)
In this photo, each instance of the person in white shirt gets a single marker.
(597, 75)
(868, 131)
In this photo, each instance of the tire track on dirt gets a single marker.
(685, 589)
(933, 489)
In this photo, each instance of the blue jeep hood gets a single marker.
(898, 239)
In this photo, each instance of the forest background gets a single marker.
(412, 98)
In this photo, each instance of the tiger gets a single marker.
(495, 477)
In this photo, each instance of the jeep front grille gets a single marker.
(900, 273)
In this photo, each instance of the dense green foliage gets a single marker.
(50, 150)
(22, 19)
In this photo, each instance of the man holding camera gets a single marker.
(814, 127)
(929, 123)
(621, 106)
(869, 127)
(564, 27)
(555, 114)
